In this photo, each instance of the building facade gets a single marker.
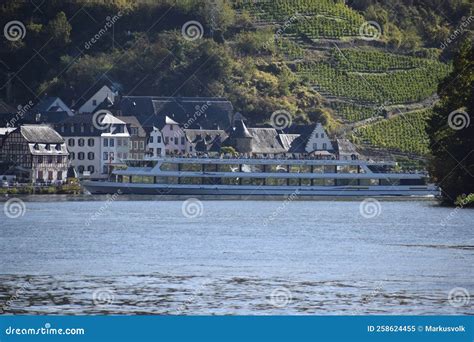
(36, 154)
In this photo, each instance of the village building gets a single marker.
(138, 137)
(201, 141)
(84, 144)
(156, 145)
(89, 102)
(35, 154)
(115, 140)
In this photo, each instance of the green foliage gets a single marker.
(352, 112)
(451, 137)
(404, 133)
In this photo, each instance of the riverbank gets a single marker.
(64, 189)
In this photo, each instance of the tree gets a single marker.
(451, 129)
(60, 29)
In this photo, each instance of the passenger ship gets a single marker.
(236, 176)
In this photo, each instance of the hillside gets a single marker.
(354, 67)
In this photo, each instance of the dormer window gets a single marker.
(82, 128)
(72, 128)
(36, 147)
(58, 147)
(47, 147)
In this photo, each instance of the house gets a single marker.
(156, 145)
(89, 102)
(313, 140)
(346, 150)
(138, 137)
(36, 153)
(115, 140)
(261, 142)
(83, 140)
(204, 141)
(190, 112)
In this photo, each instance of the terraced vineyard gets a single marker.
(307, 18)
(379, 88)
(355, 81)
(405, 133)
(352, 113)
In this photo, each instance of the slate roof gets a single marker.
(40, 134)
(265, 140)
(103, 81)
(79, 119)
(206, 140)
(44, 104)
(132, 121)
(193, 112)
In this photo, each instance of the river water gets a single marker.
(121, 255)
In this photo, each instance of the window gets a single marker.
(90, 168)
(40, 161)
(90, 142)
(315, 146)
(63, 128)
(94, 102)
(80, 156)
(106, 156)
(322, 135)
(50, 175)
(82, 128)
(190, 148)
(81, 168)
(80, 142)
(125, 155)
(119, 155)
(142, 145)
(105, 169)
(40, 175)
(91, 128)
(106, 142)
(140, 156)
(58, 147)
(50, 159)
(176, 140)
(60, 175)
(325, 146)
(158, 151)
(130, 144)
(171, 127)
(167, 140)
(182, 140)
(135, 145)
(158, 139)
(112, 142)
(47, 147)
(72, 156)
(316, 135)
(151, 140)
(90, 155)
(72, 128)
(59, 159)
(119, 142)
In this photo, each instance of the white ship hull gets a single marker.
(98, 187)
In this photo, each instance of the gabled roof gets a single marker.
(40, 134)
(170, 121)
(191, 112)
(265, 140)
(133, 122)
(103, 81)
(109, 119)
(44, 104)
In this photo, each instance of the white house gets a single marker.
(90, 104)
(174, 137)
(115, 143)
(84, 144)
(318, 140)
(156, 145)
